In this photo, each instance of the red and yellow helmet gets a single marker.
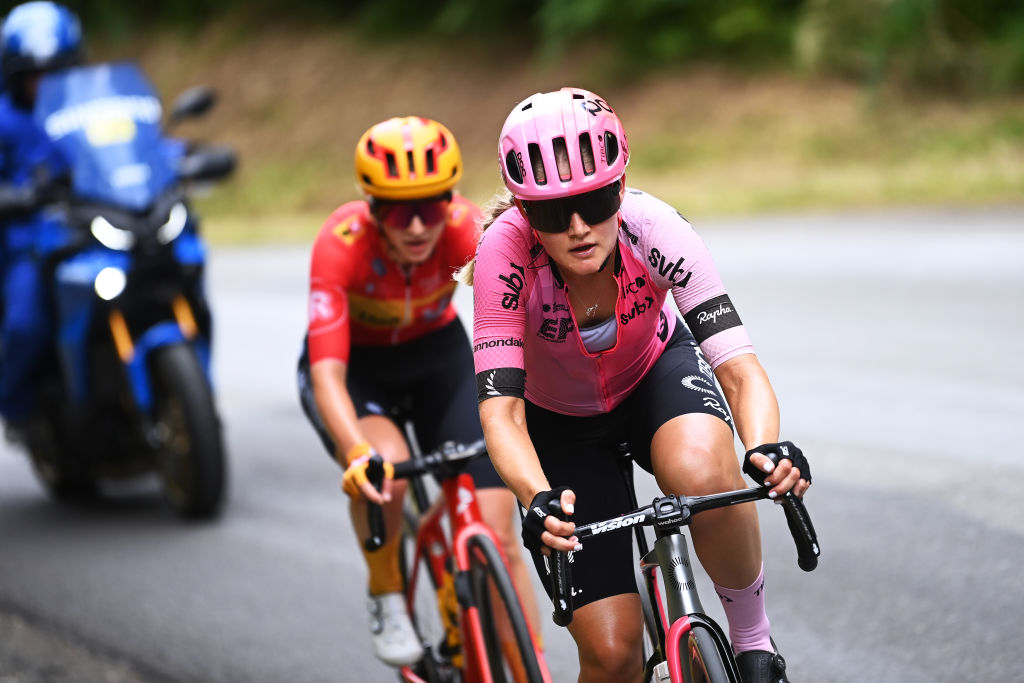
(407, 158)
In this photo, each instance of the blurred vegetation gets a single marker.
(967, 46)
(732, 106)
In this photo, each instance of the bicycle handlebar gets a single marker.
(443, 462)
(672, 512)
(375, 475)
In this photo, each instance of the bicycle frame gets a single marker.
(461, 509)
(450, 560)
(671, 555)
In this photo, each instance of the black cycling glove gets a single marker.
(775, 452)
(543, 504)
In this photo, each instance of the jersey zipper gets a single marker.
(602, 381)
(407, 313)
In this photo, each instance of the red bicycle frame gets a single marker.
(460, 504)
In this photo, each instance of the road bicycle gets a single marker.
(693, 648)
(458, 589)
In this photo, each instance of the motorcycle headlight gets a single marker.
(170, 230)
(110, 236)
(110, 283)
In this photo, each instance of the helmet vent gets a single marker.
(512, 168)
(611, 146)
(562, 159)
(587, 154)
(392, 164)
(577, 96)
(431, 168)
(408, 160)
(537, 164)
(444, 141)
(528, 105)
(371, 149)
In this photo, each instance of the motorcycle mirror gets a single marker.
(194, 102)
(207, 163)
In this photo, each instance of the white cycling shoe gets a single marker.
(394, 640)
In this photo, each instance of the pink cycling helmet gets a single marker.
(571, 123)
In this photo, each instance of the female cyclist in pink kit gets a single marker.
(577, 350)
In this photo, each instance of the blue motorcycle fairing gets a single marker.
(76, 303)
(76, 300)
(188, 248)
(161, 334)
(106, 120)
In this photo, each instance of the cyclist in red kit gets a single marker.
(383, 333)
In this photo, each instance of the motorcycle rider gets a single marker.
(36, 37)
(382, 331)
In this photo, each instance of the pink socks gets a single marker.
(748, 622)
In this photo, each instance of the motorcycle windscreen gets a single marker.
(106, 120)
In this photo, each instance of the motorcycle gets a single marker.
(130, 390)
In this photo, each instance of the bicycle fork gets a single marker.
(683, 606)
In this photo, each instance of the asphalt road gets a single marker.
(889, 338)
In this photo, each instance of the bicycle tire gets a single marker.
(701, 658)
(487, 569)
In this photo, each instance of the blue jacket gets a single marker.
(26, 154)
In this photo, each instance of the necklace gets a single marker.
(591, 311)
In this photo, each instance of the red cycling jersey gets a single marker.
(358, 295)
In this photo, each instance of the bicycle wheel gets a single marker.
(701, 658)
(512, 659)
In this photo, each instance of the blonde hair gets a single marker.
(498, 205)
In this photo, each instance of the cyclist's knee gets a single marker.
(609, 657)
(385, 437)
(699, 469)
(608, 637)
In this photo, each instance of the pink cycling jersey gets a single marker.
(525, 337)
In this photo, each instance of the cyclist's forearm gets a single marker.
(755, 410)
(335, 406)
(509, 446)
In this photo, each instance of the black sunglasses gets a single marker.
(554, 215)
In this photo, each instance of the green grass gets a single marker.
(710, 141)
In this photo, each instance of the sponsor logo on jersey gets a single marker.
(556, 329)
(513, 286)
(511, 341)
(639, 308)
(348, 231)
(630, 235)
(662, 326)
(672, 271)
(393, 312)
(712, 317)
(321, 307)
(633, 286)
(456, 212)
